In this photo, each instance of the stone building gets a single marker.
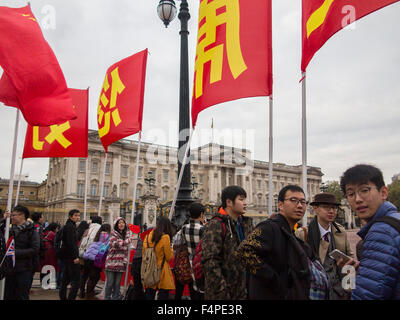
(213, 167)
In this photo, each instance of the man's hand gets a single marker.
(340, 263)
(6, 214)
(76, 261)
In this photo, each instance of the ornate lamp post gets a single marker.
(194, 185)
(166, 10)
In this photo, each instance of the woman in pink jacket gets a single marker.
(117, 258)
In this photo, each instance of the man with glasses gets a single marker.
(277, 261)
(378, 275)
(26, 244)
(324, 235)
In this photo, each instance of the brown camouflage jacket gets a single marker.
(225, 278)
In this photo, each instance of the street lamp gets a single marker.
(194, 185)
(166, 10)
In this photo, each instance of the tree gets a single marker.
(394, 193)
(334, 188)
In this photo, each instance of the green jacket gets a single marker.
(225, 278)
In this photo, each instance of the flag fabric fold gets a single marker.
(234, 52)
(32, 79)
(120, 108)
(321, 19)
(68, 139)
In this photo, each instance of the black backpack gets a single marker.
(58, 243)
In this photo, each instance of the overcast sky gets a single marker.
(353, 87)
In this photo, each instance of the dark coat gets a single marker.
(26, 242)
(70, 241)
(225, 278)
(276, 261)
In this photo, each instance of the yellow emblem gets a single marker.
(110, 106)
(56, 133)
(207, 36)
(318, 17)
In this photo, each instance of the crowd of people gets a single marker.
(226, 257)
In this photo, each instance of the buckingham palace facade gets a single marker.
(213, 167)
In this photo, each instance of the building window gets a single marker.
(259, 184)
(107, 168)
(93, 190)
(165, 175)
(82, 165)
(123, 192)
(200, 178)
(105, 191)
(138, 192)
(80, 189)
(140, 173)
(259, 200)
(95, 167)
(165, 195)
(124, 171)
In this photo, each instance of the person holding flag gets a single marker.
(26, 246)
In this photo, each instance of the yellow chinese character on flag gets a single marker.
(107, 108)
(211, 15)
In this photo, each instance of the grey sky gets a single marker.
(353, 91)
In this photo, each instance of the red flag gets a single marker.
(69, 139)
(321, 19)
(234, 52)
(134, 228)
(120, 109)
(32, 79)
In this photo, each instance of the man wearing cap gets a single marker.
(324, 235)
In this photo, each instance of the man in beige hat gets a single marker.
(324, 235)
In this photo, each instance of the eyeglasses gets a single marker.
(16, 214)
(296, 201)
(362, 192)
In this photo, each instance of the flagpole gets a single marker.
(304, 142)
(19, 182)
(86, 186)
(133, 205)
(171, 212)
(270, 164)
(102, 184)
(10, 193)
(86, 172)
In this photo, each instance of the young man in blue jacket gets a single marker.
(378, 275)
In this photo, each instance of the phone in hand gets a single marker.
(337, 254)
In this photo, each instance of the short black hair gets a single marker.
(96, 219)
(231, 192)
(196, 209)
(72, 212)
(290, 187)
(35, 216)
(360, 174)
(23, 210)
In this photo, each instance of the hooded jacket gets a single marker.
(225, 278)
(117, 256)
(378, 275)
(70, 241)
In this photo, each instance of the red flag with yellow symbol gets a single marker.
(120, 109)
(68, 139)
(234, 52)
(321, 19)
(32, 79)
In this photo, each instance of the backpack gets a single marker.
(58, 243)
(150, 273)
(197, 267)
(101, 256)
(182, 268)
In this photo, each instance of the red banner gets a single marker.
(321, 19)
(120, 109)
(32, 80)
(69, 139)
(234, 52)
